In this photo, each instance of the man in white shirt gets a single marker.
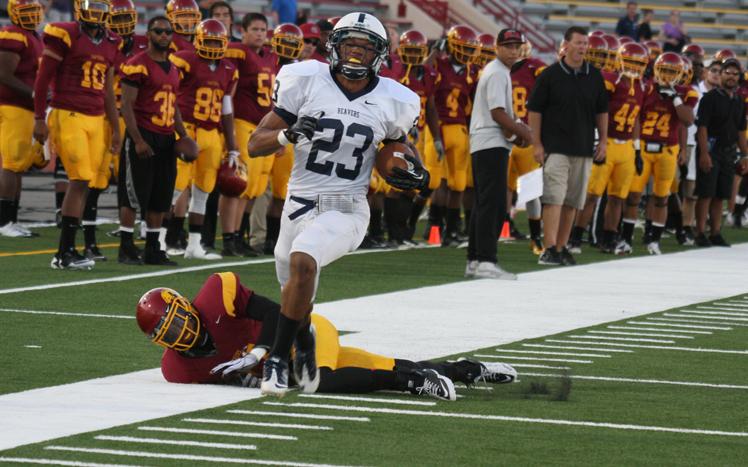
(492, 127)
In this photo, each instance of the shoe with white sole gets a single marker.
(13, 230)
(470, 268)
(489, 372)
(198, 252)
(654, 248)
(274, 377)
(430, 383)
(489, 270)
(623, 248)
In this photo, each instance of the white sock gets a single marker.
(193, 240)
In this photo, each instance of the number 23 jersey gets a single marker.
(340, 157)
(79, 82)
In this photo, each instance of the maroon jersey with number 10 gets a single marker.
(157, 92)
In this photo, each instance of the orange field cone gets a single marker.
(434, 236)
(505, 231)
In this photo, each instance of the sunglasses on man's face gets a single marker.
(159, 31)
(311, 41)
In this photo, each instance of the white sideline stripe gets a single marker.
(240, 434)
(482, 388)
(176, 442)
(225, 421)
(545, 346)
(540, 352)
(546, 421)
(298, 415)
(633, 328)
(731, 310)
(705, 317)
(368, 399)
(643, 334)
(528, 365)
(187, 457)
(724, 314)
(664, 347)
(537, 359)
(733, 303)
(644, 381)
(678, 320)
(193, 431)
(64, 313)
(168, 272)
(627, 339)
(29, 460)
(688, 326)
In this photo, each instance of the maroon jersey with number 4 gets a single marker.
(221, 304)
(27, 45)
(658, 117)
(202, 85)
(453, 94)
(524, 74)
(157, 92)
(79, 85)
(625, 99)
(256, 78)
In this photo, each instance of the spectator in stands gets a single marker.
(673, 33)
(644, 30)
(563, 122)
(325, 28)
(627, 24)
(302, 17)
(284, 11)
(223, 12)
(721, 133)
(59, 10)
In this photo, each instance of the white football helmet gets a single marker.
(363, 26)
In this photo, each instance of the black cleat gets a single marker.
(274, 377)
(93, 252)
(430, 383)
(718, 240)
(158, 258)
(129, 256)
(72, 260)
(567, 259)
(702, 241)
(550, 257)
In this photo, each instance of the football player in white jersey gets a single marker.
(336, 116)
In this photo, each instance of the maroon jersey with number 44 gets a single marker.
(625, 99)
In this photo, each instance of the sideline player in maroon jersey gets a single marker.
(184, 16)
(207, 85)
(452, 96)
(78, 61)
(524, 73)
(20, 49)
(146, 180)
(257, 67)
(626, 90)
(221, 336)
(667, 106)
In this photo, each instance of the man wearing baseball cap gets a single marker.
(721, 142)
(492, 128)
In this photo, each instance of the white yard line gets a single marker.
(195, 431)
(298, 415)
(536, 359)
(186, 457)
(680, 320)
(379, 400)
(723, 314)
(674, 325)
(662, 347)
(736, 310)
(545, 346)
(706, 319)
(634, 328)
(642, 334)
(528, 365)
(28, 460)
(65, 313)
(643, 381)
(540, 352)
(626, 339)
(176, 442)
(546, 421)
(226, 421)
(741, 305)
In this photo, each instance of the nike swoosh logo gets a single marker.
(369, 103)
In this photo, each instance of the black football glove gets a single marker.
(638, 161)
(668, 93)
(415, 178)
(304, 126)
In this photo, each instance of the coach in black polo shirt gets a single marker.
(567, 103)
(721, 131)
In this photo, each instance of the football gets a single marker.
(186, 149)
(392, 155)
(230, 182)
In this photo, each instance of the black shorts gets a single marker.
(717, 183)
(146, 184)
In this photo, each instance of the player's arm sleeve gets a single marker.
(288, 94)
(496, 90)
(57, 39)
(407, 110)
(14, 42)
(133, 73)
(691, 98)
(181, 62)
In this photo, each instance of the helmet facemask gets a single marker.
(94, 12)
(27, 16)
(287, 46)
(179, 328)
(122, 22)
(352, 67)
